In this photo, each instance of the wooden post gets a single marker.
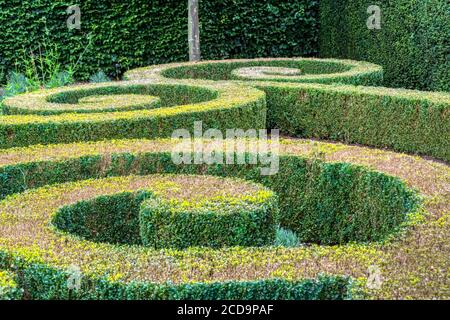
(193, 31)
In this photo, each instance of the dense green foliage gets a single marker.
(44, 283)
(8, 286)
(142, 218)
(111, 219)
(322, 203)
(312, 70)
(125, 34)
(412, 44)
(316, 200)
(406, 121)
(403, 120)
(221, 223)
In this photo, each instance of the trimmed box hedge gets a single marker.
(144, 218)
(351, 217)
(410, 121)
(215, 223)
(381, 206)
(311, 70)
(217, 106)
(316, 199)
(8, 286)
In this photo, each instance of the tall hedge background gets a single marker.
(413, 44)
(142, 32)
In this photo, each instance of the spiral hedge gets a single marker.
(89, 188)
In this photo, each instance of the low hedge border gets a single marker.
(89, 104)
(48, 284)
(60, 152)
(101, 261)
(216, 223)
(325, 71)
(217, 106)
(410, 121)
(316, 199)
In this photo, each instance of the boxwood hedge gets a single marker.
(136, 33)
(214, 223)
(339, 204)
(222, 107)
(143, 218)
(334, 203)
(8, 286)
(412, 44)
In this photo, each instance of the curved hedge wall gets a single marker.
(224, 106)
(311, 70)
(8, 286)
(214, 223)
(139, 32)
(403, 120)
(345, 215)
(242, 216)
(412, 44)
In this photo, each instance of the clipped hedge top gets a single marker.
(201, 99)
(312, 70)
(350, 81)
(27, 233)
(206, 92)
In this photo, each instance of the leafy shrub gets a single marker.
(19, 83)
(112, 219)
(60, 79)
(316, 200)
(386, 205)
(42, 66)
(214, 223)
(218, 107)
(44, 283)
(374, 116)
(312, 70)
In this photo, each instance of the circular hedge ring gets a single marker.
(85, 177)
(323, 103)
(216, 213)
(179, 106)
(325, 71)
